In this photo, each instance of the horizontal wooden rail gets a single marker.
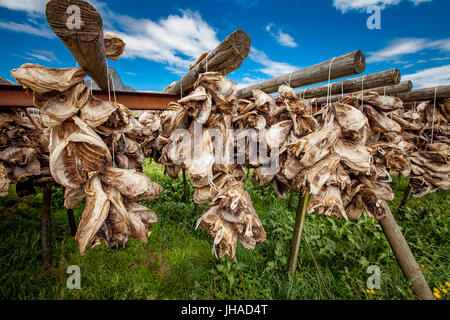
(14, 96)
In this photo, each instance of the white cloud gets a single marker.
(405, 46)
(417, 2)
(271, 68)
(41, 31)
(282, 38)
(361, 5)
(176, 40)
(30, 6)
(430, 77)
(43, 55)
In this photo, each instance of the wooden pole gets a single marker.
(291, 195)
(72, 223)
(368, 81)
(298, 229)
(85, 40)
(404, 86)
(263, 192)
(225, 58)
(405, 257)
(406, 197)
(46, 227)
(425, 94)
(185, 194)
(347, 65)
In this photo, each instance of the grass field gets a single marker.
(177, 262)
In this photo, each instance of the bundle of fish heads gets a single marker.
(426, 128)
(195, 135)
(341, 155)
(23, 150)
(95, 155)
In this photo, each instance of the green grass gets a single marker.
(177, 262)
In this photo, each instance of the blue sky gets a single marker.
(163, 37)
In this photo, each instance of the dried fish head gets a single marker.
(42, 80)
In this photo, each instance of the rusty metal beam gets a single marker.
(14, 96)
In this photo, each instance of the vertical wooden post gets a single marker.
(46, 226)
(406, 197)
(185, 194)
(196, 209)
(298, 229)
(263, 193)
(72, 223)
(291, 195)
(405, 257)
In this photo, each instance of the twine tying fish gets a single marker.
(329, 79)
(362, 94)
(434, 115)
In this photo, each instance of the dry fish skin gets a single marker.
(147, 216)
(96, 112)
(356, 156)
(348, 117)
(198, 105)
(73, 198)
(277, 135)
(328, 202)
(375, 207)
(114, 46)
(118, 218)
(382, 103)
(286, 92)
(94, 215)
(316, 146)
(18, 156)
(4, 181)
(76, 152)
(22, 174)
(134, 185)
(200, 165)
(264, 103)
(61, 106)
(199, 59)
(225, 238)
(42, 80)
(316, 176)
(379, 122)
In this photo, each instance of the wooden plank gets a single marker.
(404, 86)
(227, 57)
(404, 257)
(425, 94)
(86, 43)
(346, 65)
(14, 96)
(368, 81)
(298, 230)
(72, 222)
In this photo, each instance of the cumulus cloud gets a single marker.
(282, 38)
(270, 67)
(361, 5)
(430, 77)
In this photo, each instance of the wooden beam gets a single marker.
(298, 230)
(185, 193)
(404, 86)
(46, 226)
(405, 257)
(14, 96)
(369, 81)
(72, 222)
(425, 94)
(347, 65)
(85, 42)
(227, 57)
